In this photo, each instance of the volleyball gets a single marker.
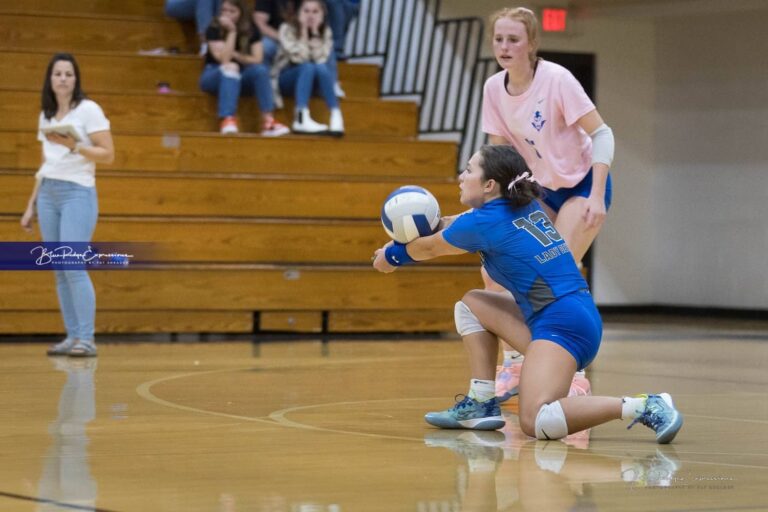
(410, 212)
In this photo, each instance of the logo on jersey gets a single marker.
(538, 120)
(533, 147)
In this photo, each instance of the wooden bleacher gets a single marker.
(266, 234)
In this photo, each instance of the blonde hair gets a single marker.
(528, 19)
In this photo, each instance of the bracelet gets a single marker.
(397, 255)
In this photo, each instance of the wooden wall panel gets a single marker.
(72, 33)
(49, 322)
(152, 112)
(397, 161)
(246, 241)
(218, 288)
(131, 72)
(124, 195)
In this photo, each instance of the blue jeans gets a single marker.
(202, 11)
(253, 81)
(340, 14)
(67, 212)
(300, 80)
(271, 47)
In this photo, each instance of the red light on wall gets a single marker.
(553, 20)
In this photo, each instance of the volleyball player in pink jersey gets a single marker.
(541, 109)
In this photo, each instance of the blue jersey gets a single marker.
(521, 250)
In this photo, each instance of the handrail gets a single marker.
(437, 62)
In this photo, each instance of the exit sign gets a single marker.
(553, 20)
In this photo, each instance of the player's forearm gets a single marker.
(430, 247)
(599, 179)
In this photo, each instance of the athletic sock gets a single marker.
(632, 407)
(511, 356)
(481, 390)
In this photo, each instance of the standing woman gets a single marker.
(540, 109)
(306, 45)
(65, 192)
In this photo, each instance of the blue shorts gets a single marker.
(572, 322)
(556, 198)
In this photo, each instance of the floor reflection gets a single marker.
(507, 470)
(66, 482)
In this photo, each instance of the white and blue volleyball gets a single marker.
(410, 212)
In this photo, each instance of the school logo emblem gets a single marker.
(538, 120)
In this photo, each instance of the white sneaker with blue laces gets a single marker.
(661, 416)
(470, 414)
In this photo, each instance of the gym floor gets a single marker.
(338, 426)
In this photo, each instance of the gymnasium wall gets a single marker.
(688, 102)
(711, 140)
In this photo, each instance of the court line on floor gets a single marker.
(45, 501)
(144, 391)
(278, 418)
(738, 420)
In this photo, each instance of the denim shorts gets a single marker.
(556, 198)
(572, 322)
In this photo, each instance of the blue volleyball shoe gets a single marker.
(470, 414)
(660, 415)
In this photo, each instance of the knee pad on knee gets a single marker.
(466, 321)
(550, 422)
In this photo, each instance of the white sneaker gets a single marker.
(337, 122)
(303, 123)
(338, 91)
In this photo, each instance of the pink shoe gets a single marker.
(578, 440)
(272, 128)
(229, 125)
(580, 385)
(508, 380)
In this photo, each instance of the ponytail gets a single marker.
(508, 168)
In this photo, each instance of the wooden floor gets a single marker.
(337, 426)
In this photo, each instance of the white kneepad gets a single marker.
(550, 422)
(466, 321)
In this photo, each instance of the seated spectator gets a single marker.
(234, 67)
(306, 44)
(268, 15)
(202, 11)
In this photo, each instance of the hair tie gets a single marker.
(524, 176)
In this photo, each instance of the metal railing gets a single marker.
(436, 62)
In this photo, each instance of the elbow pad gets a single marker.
(602, 145)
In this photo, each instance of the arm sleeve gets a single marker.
(573, 100)
(94, 118)
(492, 123)
(602, 145)
(464, 234)
(40, 121)
(321, 48)
(214, 34)
(263, 6)
(296, 51)
(255, 35)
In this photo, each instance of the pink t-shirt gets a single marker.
(540, 123)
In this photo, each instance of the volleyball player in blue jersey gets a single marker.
(552, 317)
